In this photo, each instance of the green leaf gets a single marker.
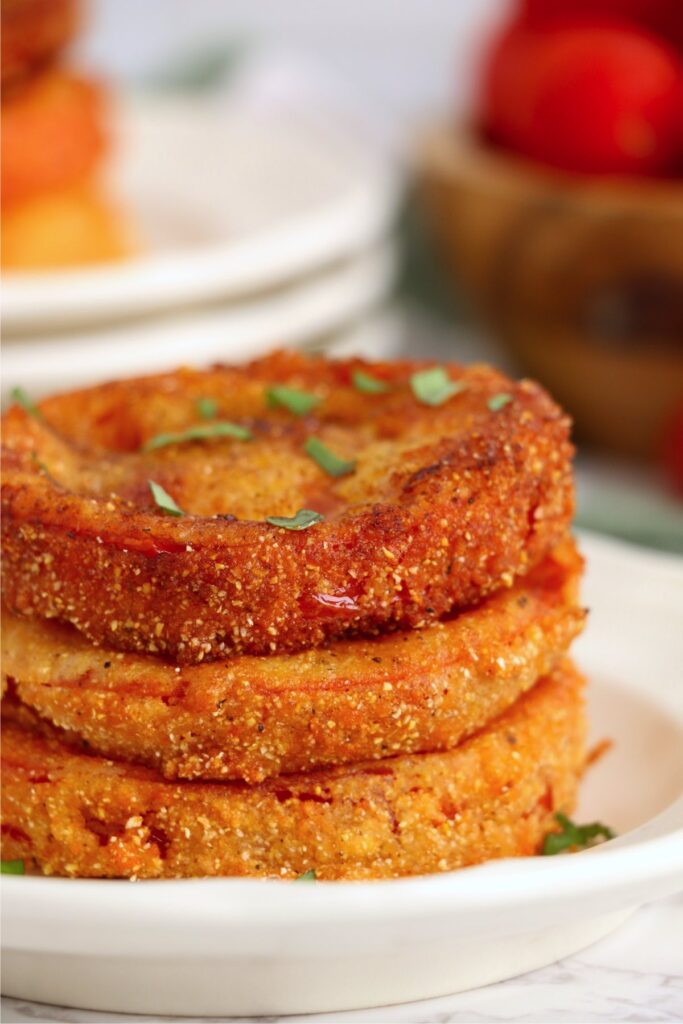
(12, 867)
(498, 402)
(164, 500)
(368, 384)
(207, 408)
(434, 387)
(308, 876)
(41, 465)
(298, 402)
(19, 396)
(203, 432)
(326, 459)
(200, 69)
(301, 521)
(574, 837)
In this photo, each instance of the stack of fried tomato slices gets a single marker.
(296, 618)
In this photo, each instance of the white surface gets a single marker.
(634, 975)
(299, 314)
(227, 200)
(404, 60)
(239, 946)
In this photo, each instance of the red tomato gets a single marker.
(589, 96)
(664, 17)
(673, 451)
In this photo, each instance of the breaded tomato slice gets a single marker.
(67, 813)
(66, 228)
(164, 514)
(252, 717)
(33, 32)
(53, 135)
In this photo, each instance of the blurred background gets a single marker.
(495, 180)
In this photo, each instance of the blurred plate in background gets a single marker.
(227, 202)
(306, 313)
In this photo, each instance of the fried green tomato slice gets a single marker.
(69, 813)
(33, 32)
(60, 113)
(252, 717)
(437, 505)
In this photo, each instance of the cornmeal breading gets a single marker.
(252, 717)
(70, 813)
(445, 504)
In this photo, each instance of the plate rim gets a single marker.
(316, 306)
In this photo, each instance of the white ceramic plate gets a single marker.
(227, 202)
(299, 314)
(239, 947)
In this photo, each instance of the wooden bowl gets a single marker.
(581, 277)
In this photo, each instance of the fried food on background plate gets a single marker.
(70, 813)
(33, 32)
(254, 717)
(53, 135)
(71, 227)
(436, 505)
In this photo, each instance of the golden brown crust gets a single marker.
(33, 31)
(254, 717)
(494, 796)
(446, 505)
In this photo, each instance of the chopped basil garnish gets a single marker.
(203, 432)
(164, 500)
(298, 402)
(207, 408)
(370, 385)
(434, 387)
(12, 867)
(498, 402)
(579, 837)
(41, 465)
(301, 521)
(19, 396)
(326, 459)
(308, 876)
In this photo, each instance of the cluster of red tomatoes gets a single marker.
(589, 86)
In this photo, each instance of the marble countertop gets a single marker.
(636, 974)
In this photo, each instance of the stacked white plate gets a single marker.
(258, 229)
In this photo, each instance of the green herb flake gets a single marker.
(369, 385)
(434, 387)
(164, 500)
(304, 518)
(298, 402)
(12, 867)
(498, 402)
(19, 396)
(308, 876)
(207, 408)
(41, 465)
(326, 459)
(203, 432)
(574, 837)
